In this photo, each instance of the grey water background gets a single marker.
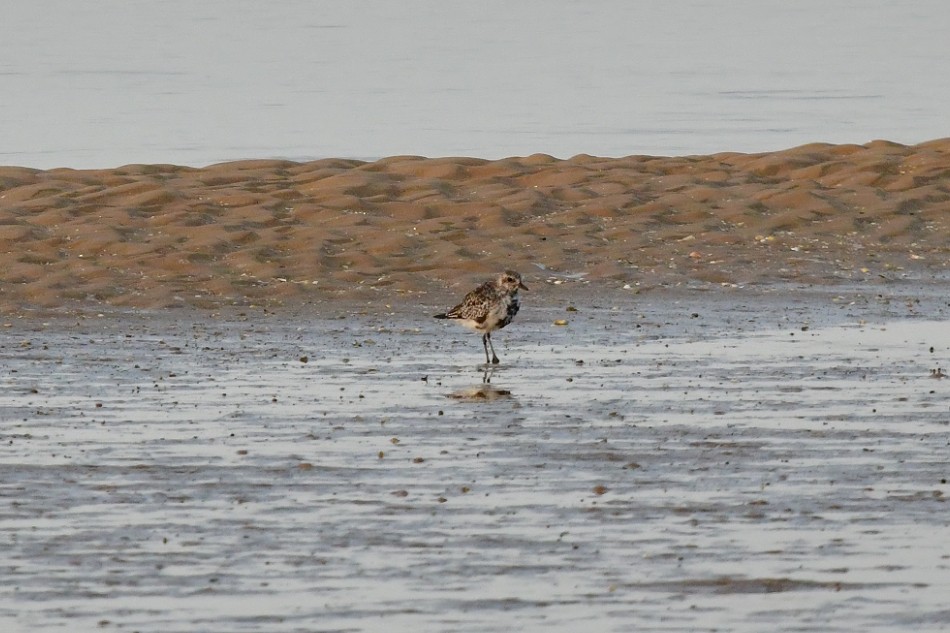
(112, 82)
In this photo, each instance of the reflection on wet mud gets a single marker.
(484, 391)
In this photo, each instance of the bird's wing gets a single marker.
(473, 306)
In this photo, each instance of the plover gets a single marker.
(489, 307)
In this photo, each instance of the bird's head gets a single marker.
(511, 281)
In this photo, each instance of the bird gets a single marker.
(489, 307)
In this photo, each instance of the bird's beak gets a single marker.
(522, 286)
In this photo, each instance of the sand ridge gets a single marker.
(273, 231)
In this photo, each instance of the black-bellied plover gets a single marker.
(489, 307)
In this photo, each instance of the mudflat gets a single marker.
(730, 458)
(225, 405)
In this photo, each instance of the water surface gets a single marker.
(111, 82)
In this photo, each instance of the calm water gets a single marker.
(109, 82)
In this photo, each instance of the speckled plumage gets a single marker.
(489, 307)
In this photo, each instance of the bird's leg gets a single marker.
(485, 345)
(494, 359)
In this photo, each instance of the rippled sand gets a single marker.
(277, 231)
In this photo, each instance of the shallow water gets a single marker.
(743, 461)
(106, 83)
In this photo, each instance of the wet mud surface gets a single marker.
(745, 460)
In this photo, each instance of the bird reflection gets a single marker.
(485, 391)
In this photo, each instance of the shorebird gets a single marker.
(489, 307)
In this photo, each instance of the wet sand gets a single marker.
(274, 232)
(679, 460)
(225, 404)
